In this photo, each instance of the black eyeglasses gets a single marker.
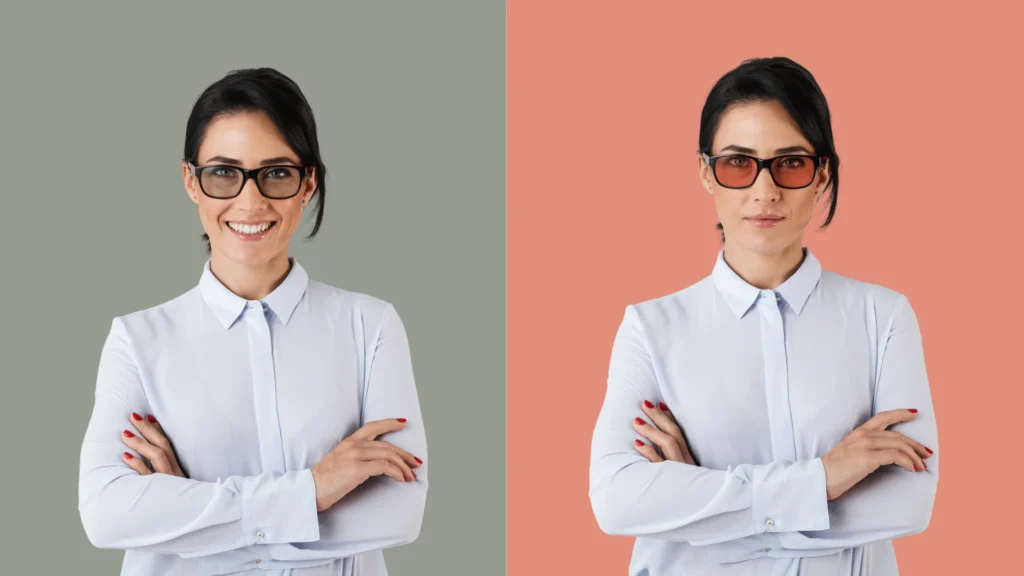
(791, 171)
(223, 182)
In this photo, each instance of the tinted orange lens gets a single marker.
(735, 171)
(793, 171)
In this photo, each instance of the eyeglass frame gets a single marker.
(248, 174)
(761, 165)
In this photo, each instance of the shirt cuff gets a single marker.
(281, 510)
(790, 497)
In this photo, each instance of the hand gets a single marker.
(870, 447)
(357, 458)
(664, 433)
(150, 441)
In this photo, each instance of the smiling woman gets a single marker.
(256, 402)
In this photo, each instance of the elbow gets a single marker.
(610, 516)
(409, 529)
(100, 528)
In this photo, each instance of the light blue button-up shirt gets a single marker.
(763, 383)
(251, 394)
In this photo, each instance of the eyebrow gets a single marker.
(267, 162)
(778, 152)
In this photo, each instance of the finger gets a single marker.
(893, 456)
(386, 468)
(371, 430)
(409, 459)
(150, 432)
(883, 420)
(668, 444)
(646, 451)
(887, 443)
(922, 450)
(136, 464)
(157, 457)
(663, 421)
(370, 454)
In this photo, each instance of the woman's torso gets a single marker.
(757, 376)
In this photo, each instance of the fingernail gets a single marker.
(663, 406)
(402, 420)
(913, 410)
(418, 460)
(129, 456)
(639, 421)
(638, 443)
(151, 419)
(648, 404)
(136, 417)
(929, 450)
(925, 465)
(414, 476)
(128, 434)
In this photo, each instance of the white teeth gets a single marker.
(249, 228)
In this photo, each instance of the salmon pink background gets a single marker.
(605, 209)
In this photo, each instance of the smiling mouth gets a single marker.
(251, 229)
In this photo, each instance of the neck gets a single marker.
(764, 271)
(252, 282)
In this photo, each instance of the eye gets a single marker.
(794, 162)
(738, 161)
(222, 172)
(279, 173)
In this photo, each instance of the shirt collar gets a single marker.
(228, 306)
(741, 296)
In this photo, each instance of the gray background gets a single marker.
(409, 99)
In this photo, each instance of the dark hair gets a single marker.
(791, 85)
(271, 92)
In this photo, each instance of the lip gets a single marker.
(764, 220)
(251, 237)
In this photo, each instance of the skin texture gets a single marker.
(765, 258)
(252, 269)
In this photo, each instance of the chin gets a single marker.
(765, 243)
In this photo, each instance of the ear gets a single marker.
(707, 178)
(823, 178)
(309, 185)
(191, 184)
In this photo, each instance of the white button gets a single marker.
(766, 551)
(256, 561)
(259, 534)
(771, 522)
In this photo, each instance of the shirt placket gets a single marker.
(264, 383)
(776, 370)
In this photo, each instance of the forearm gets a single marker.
(381, 513)
(678, 502)
(170, 515)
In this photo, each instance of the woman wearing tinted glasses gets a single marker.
(261, 422)
(774, 418)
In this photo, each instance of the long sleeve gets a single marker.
(891, 502)
(165, 514)
(678, 502)
(382, 512)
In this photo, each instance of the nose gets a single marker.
(249, 199)
(764, 190)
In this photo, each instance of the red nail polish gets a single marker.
(925, 465)
(151, 419)
(418, 460)
(136, 417)
(929, 450)
(414, 476)
(129, 456)
(648, 404)
(402, 420)
(639, 421)
(913, 410)
(638, 443)
(128, 434)
(663, 406)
